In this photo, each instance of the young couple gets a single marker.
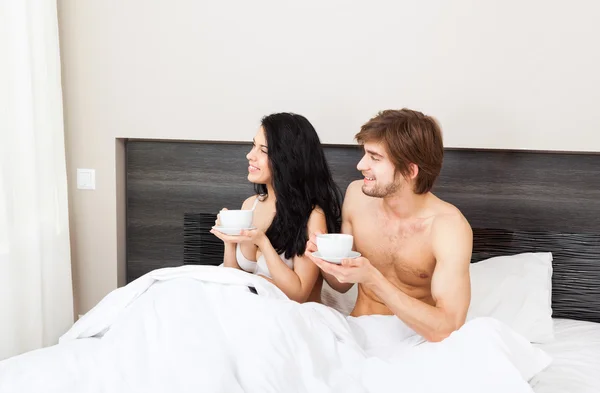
(415, 248)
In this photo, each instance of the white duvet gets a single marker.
(199, 329)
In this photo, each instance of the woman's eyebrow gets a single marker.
(253, 141)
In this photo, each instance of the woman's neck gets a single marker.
(271, 197)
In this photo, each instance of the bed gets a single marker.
(535, 268)
(516, 201)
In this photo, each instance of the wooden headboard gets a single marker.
(516, 201)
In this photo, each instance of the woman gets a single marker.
(295, 196)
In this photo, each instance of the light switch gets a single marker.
(86, 179)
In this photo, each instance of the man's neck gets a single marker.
(404, 205)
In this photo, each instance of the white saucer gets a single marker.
(337, 260)
(231, 231)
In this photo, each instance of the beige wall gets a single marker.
(506, 74)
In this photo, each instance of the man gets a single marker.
(415, 248)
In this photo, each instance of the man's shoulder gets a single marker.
(449, 218)
(452, 236)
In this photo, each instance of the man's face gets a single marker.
(381, 178)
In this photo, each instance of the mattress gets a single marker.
(576, 359)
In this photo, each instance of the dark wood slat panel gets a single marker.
(200, 247)
(523, 190)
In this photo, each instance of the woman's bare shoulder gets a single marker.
(248, 202)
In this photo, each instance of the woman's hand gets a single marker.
(218, 220)
(227, 239)
(255, 236)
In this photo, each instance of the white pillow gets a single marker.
(517, 290)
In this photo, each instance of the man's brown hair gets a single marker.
(409, 137)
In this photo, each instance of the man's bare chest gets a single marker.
(401, 252)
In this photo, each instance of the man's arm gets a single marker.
(452, 242)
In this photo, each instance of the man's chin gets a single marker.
(375, 192)
(370, 192)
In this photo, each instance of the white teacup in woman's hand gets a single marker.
(218, 220)
(239, 219)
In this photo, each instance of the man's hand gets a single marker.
(355, 271)
(311, 244)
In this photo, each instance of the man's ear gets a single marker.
(413, 171)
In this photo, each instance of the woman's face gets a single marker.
(258, 160)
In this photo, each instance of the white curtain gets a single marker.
(36, 295)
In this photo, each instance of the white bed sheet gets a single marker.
(576, 359)
(199, 329)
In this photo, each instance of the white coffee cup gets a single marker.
(334, 245)
(236, 218)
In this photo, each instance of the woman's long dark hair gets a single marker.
(301, 180)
